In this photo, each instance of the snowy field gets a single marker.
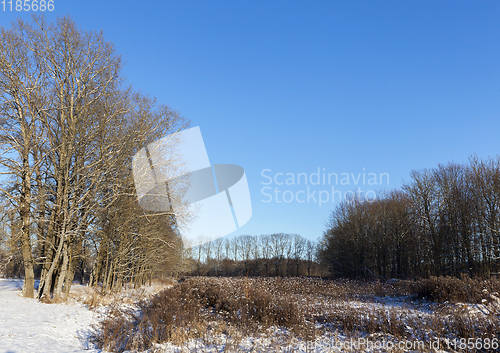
(26, 325)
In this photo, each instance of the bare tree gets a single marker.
(68, 134)
(278, 243)
(246, 243)
(310, 253)
(218, 253)
(235, 249)
(299, 245)
(22, 101)
(265, 249)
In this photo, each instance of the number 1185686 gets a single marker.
(27, 5)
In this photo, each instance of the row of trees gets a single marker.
(445, 221)
(276, 254)
(68, 132)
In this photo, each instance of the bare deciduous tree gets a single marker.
(68, 133)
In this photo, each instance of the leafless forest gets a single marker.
(278, 254)
(69, 128)
(445, 221)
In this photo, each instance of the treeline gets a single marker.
(276, 254)
(68, 132)
(445, 221)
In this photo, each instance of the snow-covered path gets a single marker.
(27, 325)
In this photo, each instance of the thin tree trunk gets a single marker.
(48, 277)
(63, 271)
(29, 275)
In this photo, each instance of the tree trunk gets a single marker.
(62, 274)
(25, 202)
(29, 275)
(47, 288)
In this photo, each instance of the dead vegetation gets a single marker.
(264, 314)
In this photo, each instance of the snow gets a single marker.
(27, 325)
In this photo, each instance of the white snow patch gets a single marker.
(27, 325)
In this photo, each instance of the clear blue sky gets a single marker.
(293, 86)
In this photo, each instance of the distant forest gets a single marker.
(445, 221)
(276, 254)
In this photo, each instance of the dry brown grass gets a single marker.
(94, 297)
(201, 308)
(223, 312)
(452, 289)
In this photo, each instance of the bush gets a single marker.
(452, 289)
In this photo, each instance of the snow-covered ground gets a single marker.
(26, 325)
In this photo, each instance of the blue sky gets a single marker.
(293, 86)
